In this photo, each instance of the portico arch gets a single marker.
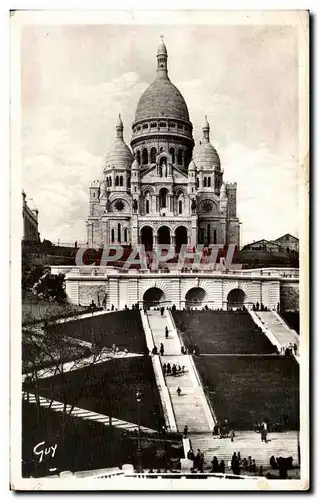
(236, 299)
(147, 237)
(195, 297)
(164, 236)
(180, 236)
(154, 297)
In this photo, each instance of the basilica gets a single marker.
(162, 190)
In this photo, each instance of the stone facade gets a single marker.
(30, 221)
(161, 191)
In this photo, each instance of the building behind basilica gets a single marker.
(161, 191)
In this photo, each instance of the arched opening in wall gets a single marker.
(215, 237)
(205, 182)
(163, 236)
(110, 181)
(172, 153)
(119, 233)
(163, 198)
(145, 157)
(129, 182)
(180, 236)
(235, 299)
(195, 297)
(101, 299)
(125, 235)
(121, 180)
(180, 157)
(209, 182)
(208, 234)
(147, 237)
(180, 207)
(138, 157)
(153, 155)
(117, 181)
(147, 206)
(154, 297)
(112, 236)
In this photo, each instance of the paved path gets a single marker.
(276, 329)
(78, 364)
(191, 407)
(249, 444)
(85, 414)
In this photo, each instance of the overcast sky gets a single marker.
(77, 79)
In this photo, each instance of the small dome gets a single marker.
(206, 157)
(135, 165)
(162, 49)
(119, 155)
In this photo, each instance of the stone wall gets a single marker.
(289, 296)
(91, 291)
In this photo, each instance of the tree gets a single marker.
(46, 352)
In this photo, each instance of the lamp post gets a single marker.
(139, 401)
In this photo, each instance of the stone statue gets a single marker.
(135, 205)
(193, 205)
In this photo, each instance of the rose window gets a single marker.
(119, 205)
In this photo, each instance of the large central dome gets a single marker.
(162, 98)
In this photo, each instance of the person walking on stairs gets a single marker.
(174, 369)
(179, 391)
(185, 431)
(168, 368)
(164, 369)
(162, 311)
(166, 332)
(162, 350)
(232, 435)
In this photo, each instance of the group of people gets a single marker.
(289, 350)
(161, 349)
(259, 307)
(198, 460)
(224, 430)
(174, 370)
(249, 465)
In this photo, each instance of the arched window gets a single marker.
(112, 235)
(110, 181)
(125, 235)
(180, 207)
(172, 153)
(162, 197)
(180, 157)
(215, 236)
(208, 234)
(197, 182)
(145, 157)
(119, 233)
(147, 207)
(138, 157)
(121, 180)
(209, 181)
(205, 182)
(153, 155)
(129, 182)
(117, 180)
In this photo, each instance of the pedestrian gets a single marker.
(261, 472)
(166, 332)
(222, 467)
(185, 431)
(191, 454)
(232, 435)
(162, 350)
(182, 349)
(168, 368)
(183, 369)
(174, 370)
(295, 349)
(215, 464)
(253, 466)
(162, 311)
(164, 369)
(154, 350)
(179, 391)
(179, 368)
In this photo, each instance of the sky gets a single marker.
(77, 79)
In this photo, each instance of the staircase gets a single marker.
(283, 444)
(279, 330)
(190, 408)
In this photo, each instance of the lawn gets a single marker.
(247, 389)
(110, 388)
(122, 328)
(292, 319)
(88, 445)
(222, 332)
(37, 309)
